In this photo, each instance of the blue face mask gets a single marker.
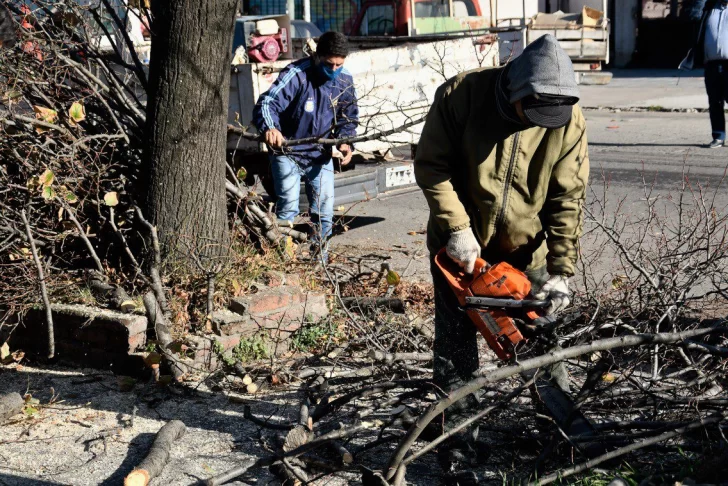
(329, 73)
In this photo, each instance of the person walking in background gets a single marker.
(711, 52)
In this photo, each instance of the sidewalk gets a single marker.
(659, 89)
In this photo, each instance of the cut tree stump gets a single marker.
(10, 404)
(158, 456)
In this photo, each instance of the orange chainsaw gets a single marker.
(489, 297)
(495, 300)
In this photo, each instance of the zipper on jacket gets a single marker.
(507, 185)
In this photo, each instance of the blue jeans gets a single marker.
(319, 180)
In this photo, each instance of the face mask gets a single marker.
(329, 73)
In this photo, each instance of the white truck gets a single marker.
(395, 80)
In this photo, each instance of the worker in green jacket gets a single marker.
(503, 164)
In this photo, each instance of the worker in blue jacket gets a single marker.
(312, 97)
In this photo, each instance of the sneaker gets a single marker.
(716, 143)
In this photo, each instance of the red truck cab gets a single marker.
(394, 17)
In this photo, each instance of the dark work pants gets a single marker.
(716, 84)
(456, 338)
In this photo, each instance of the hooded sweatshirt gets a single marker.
(521, 189)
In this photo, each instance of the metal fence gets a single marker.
(337, 15)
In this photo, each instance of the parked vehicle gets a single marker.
(416, 17)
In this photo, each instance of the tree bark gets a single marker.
(189, 80)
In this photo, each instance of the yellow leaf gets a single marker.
(111, 199)
(393, 278)
(341, 208)
(45, 114)
(77, 113)
(618, 281)
(46, 178)
(289, 247)
(242, 173)
(608, 378)
(412, 233)
(237, 288)
(48, 193)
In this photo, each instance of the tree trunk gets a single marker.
(186, 121)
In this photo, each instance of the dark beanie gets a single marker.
(332, 44)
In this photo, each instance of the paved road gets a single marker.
(625, 149)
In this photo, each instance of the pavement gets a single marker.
(657, 89)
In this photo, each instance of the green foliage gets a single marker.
(315, 335)
(250, 349)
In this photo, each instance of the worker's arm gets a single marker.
(562, 211)
(270, 105)
(439, 156)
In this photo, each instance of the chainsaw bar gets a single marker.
(496, 303)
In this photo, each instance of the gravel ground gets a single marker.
(63, 443)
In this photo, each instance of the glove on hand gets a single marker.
(556, 289)
(464, 248)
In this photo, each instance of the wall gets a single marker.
(508, 9)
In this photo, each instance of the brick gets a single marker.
(273, 278)
(266, 300)
(98, 328)
(226, 322)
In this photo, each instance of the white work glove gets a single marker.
(556, 289)
(464, 248)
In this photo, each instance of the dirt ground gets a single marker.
(93, 433)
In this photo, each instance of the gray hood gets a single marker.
(543, 68)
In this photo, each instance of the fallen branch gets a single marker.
(530, 364)
(365, 303)
(267, 461)
(115, 295)
(563, 473)
(158, 456)
(161, 328)
(330, 141)
(390, 358)
(43, 290)
(10, 404)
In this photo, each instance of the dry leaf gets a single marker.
(77, 113)
(111, 199)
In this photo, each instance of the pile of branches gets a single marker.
(645, 347)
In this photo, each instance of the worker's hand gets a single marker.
(556, 289)
(274, 138)
(464, 248)
(346, 151)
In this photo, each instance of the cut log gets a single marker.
(346, 456)
(298, 436)
(116, 296)
(158, 456)
(10, 404)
